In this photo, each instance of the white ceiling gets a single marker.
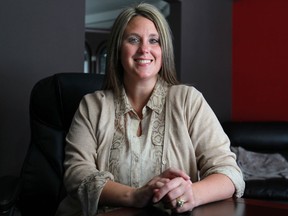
(100, 14)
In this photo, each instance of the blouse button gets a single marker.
(164, 162)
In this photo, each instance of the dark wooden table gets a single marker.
(229, 207)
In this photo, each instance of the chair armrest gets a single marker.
(10, 187)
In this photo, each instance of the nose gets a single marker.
(143, 48)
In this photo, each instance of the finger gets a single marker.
(173, 172)
(180, 205)
(154, 180)
(160, 183)
(172, 189)
(177, 203)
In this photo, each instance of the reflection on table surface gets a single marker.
(229, 207)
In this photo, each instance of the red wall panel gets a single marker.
(260, 60)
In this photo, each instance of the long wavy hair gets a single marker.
(114, 68)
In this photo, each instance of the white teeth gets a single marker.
(144, 61)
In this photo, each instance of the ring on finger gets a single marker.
(179, 202)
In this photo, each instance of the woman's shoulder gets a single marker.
(99, 98)
(184, 90)
(100, 94)
(95, 106)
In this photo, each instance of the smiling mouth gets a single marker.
(142, 61)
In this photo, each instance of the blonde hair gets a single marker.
(114, 69)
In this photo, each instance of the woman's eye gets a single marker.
(133, 40)
(154, 40)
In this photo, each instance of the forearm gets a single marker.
(213, 188)
(116, 194)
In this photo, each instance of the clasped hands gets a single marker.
(172, 187)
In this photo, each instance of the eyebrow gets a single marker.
(135, 34)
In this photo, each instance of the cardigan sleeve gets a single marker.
(208, 147)
(84, 176)
(212, 145)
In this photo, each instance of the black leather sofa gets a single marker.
(262, 138)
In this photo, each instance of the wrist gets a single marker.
(135, 198)
(140, 197)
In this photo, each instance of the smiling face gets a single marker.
(141, 54)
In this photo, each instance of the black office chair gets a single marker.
(53, 103)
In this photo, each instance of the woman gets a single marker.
(145, 139)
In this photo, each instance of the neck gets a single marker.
(139, 94)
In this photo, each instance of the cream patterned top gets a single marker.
(135, 160)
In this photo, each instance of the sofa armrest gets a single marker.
(270, 189)
(10, 187)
